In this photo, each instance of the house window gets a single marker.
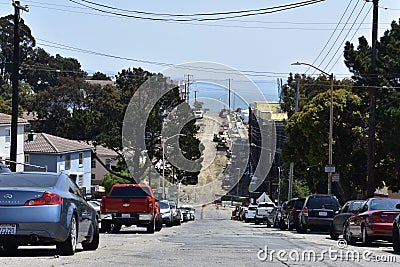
(67, 161)
(108, 164)
(27, 158)
(81, 159)
(93, 176)
(93, 163)
(8, 135)
(80, 181)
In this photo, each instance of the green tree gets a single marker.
(307, 144)
(100, 76)
(386, 82)
(27, 42)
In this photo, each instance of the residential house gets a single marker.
(108, 157)
(5, 139)
(59, 154)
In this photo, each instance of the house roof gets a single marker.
(103, 151)
(6, 119)
(47, 143)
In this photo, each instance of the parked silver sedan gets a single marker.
(39, 208)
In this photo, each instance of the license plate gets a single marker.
(8, 229)
(323, 213)
(125, 215)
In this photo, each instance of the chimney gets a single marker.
(31, 136)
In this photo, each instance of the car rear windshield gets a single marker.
(164, 205)
(130, 192)
(323, 203)
(298, 204)
(28, 180)
(384, 204)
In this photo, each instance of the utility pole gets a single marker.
(372, 91)
(187, 89)
(15, 89)
(296, 109)
(229, 94)
(195, 96)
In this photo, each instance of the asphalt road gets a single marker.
(211, 240)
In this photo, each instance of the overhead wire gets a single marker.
(333, 45)
(337, 60)
(330, 37)
(344, 39)
(269, 11)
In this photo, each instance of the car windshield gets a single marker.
(354, 206)
(323, 203)
(384, 204)
(28, 180)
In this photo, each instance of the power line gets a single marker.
(366, 14)
(344, 39)
(261, 12)
(319, 65)
(330, 38)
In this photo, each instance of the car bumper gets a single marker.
(380, 229)
(319, 222)
(133, 219)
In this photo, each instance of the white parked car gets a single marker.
(264, 213)
(250, 213)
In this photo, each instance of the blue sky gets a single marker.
(263, 43)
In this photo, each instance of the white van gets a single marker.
(198, 114)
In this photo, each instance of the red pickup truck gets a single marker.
(130, 204)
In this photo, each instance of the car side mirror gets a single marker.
(83, 192)
(398, 206)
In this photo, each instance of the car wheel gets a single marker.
(151, 227)
(347, 235)
(282, 225)
(395, 237)
(115, 228)
(105, 226)
(94, 244)
(10, 249)
(301, 228)
(158, 225)
(332, 233)
(290, 225)
(68, 247)
(366, 240)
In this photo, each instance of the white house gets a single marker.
(5, 139)
(59, 154)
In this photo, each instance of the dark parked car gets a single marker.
(39, 208)
(317, 213)
(289, 218)
(373, 220)
(395, 232)
(348, 209)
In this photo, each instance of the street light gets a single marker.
(330, 167)
(237, 186)
(163, 140)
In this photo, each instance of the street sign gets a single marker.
(330, 168)
(335, 177)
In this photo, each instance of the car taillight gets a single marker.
(102, 206)
(46, 199)
(374, 218)
(295, 209)
(150, 205)
(305, 211)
